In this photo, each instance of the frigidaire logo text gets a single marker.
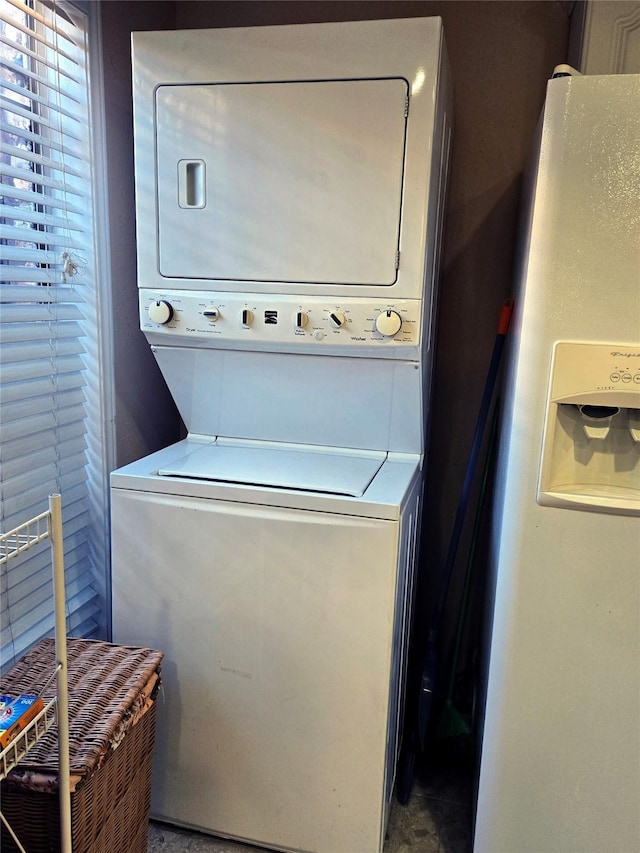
(626, 354)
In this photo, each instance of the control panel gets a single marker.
(597, 374)
(232, 319)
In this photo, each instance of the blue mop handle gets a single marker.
(430, 661)
(503, 328)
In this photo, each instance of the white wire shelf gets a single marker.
(46, 525)
(23, 537)
(16, 750)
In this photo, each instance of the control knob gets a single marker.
(337, 320)
(247, 317)
(389, 323)
(161, 312)
(211, 313)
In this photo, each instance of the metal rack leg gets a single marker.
(55, 509)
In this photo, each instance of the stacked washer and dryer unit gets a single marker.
(290, 184)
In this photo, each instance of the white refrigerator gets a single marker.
(560, 761)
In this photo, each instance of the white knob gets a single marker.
(337, 320)
(160, 311)
(300, 319)
(389, 323)
(247, 317)
(211, 313)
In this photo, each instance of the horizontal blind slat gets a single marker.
(33, 569)
(24, 48)
(36, 406)
(36, 593)
(63, 25)
(20, 505)
(48, 201)
(49, 258)
(81, 622)
(43, 331)
(19, 448)
(66, 166)
(40, 606)
(32, 351)
(34, 293)
(18, 312)
(37, 423)
(21, 371)
(20, 133)
(24, 215)
(33, 73)
(28, 481)
(12, 468)
(52, 128)
(39, 179)
(28, 275)
(75, 513)
(63, 112)
(46, 385)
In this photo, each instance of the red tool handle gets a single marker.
(505, 316)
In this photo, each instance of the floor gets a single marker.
(436, 820)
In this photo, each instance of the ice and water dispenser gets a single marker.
(591, 447)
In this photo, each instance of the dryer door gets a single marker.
(281, 182)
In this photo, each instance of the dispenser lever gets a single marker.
(597, 420)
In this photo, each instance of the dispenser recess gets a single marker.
(591, 446)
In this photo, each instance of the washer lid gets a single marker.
(327, 471)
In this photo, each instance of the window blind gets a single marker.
(51, 417)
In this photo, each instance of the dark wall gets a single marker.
(146, 418)
(501, 55)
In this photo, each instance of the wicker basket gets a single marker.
(112, 709)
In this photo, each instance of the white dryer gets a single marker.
(289, 183)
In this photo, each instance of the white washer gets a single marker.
(282, 613)
(289, 190)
